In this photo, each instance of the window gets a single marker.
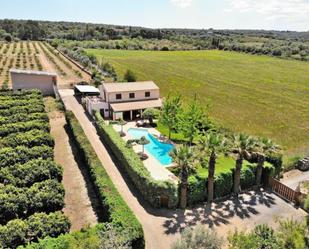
(147, 94)
(118, 96)
(131, 95)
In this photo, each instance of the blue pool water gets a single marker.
(157, 149)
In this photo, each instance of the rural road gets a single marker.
(162, 226)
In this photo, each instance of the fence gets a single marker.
(284, 191)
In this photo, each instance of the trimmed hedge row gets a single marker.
(23, 127)
(23, 117)
(46, 196)
(116, 209)
(223, 185)
(30, 138)
(18, 232)
(37, 170)
(21, 154)
(150, 189)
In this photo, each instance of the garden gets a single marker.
(32, 195)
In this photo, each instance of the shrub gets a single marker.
(16, 202)
(117, 210)
(150, 189)
(37, 170)
(21, 154)
(18, 232)
(30, 139)
(23, 127)
(23, 117)
(200, 237)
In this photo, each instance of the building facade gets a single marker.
(128, 100)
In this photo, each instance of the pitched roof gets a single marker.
(129, 86)
(136, 105)
(20, 71)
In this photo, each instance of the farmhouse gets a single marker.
(125, 100)
(28, 79)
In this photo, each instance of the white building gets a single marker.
(29, 79)
(127, 100)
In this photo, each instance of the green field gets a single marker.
(259, 95)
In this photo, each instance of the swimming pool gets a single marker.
(157, 149)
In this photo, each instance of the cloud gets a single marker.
(182, 3)
(292, 10)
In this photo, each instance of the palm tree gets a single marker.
(122, 122)
(211, 144)
(143, 141)
(242, 145)
(264, 147)
(183, 157)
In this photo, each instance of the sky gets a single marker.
(217, 14)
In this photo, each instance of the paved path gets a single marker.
(294, 177)
(162, 227)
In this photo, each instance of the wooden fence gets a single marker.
(284, 191)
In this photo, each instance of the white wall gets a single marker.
(139, 95)
(31, 81)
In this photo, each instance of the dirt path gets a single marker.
(80, 199)
(294, 177)
(161, 226)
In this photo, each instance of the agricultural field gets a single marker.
(259, 95)
(31, 192)
(34, 55)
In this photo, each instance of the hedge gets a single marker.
(21, 154)
(23, 127)
(117, 211)
(5, 104)
(20, 94)
(30, 138)
(24, 175)
(150, 188)
(46, 196)
(23, 117)
(223, 185)
(18, 232)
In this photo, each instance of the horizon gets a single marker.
(270, 15)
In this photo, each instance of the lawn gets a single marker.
(259, 95)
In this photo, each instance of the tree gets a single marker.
(264, 147)
(183, 157)
(210, 145)
(198, 238)
(121, 122)
(130, 76)
(170, 113)
(143, 141)
(242, 145)
(150, 114)
(191, 120)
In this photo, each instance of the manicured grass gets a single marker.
(224, 164)
(259, 95)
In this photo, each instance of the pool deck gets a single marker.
(156, 169)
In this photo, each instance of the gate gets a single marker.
(283, 191)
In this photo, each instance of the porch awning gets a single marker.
(136, 105)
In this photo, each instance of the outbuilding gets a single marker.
(86, 90)
(29, 79)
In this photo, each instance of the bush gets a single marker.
(16, 202)
(22, 109)
(150, 189)
(23, 127)
(23, 117)
(37, 170)
(18, 232)
(30, 139)
(117, 211)
(21, 154)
